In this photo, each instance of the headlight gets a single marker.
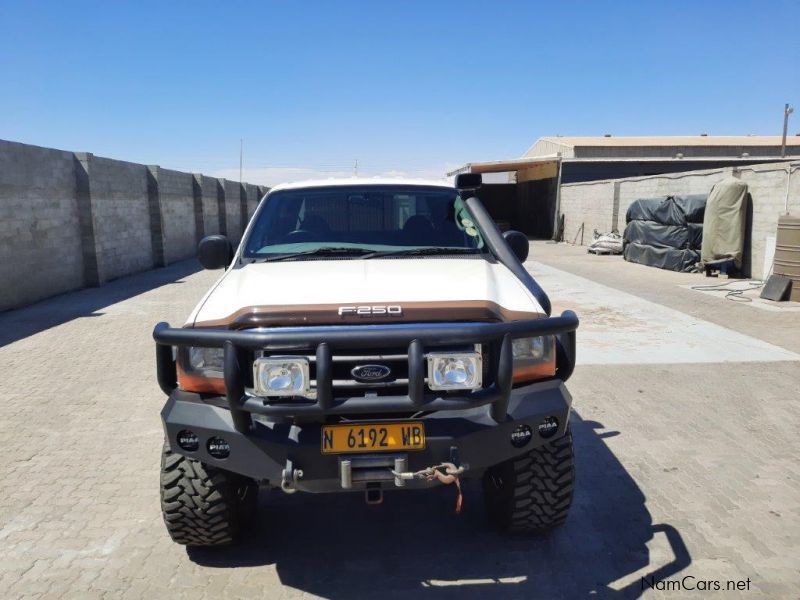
(207, 361)
(536, 348)
(534, 358)
(454, 371)
(201, 369)
(284, 376)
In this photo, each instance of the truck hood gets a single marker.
(312, 292)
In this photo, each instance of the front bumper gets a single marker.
(275, 441)
(323, 340)
(471, 436)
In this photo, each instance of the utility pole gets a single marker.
(241, 152)
(787, 110)
(355, 169)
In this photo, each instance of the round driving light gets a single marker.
(218, 448)
(548, 427)
(188, 441)
(521, 435)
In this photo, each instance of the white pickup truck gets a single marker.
(369, 336)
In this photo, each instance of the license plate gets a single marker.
(373, 437)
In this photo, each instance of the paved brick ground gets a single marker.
(683, 470)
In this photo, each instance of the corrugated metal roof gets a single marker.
(672, 140)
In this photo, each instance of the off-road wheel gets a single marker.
(533, 492)
(203, 505)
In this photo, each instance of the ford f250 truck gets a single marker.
(366, 336)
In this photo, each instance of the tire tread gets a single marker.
(198, 502)
(536, 488)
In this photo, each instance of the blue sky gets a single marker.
(411, 87)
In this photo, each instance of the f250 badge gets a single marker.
(371, 311)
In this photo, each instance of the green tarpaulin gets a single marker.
(724, 223)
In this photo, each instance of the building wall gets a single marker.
(602, 205)
(549, 148)
(69, 220)
(233, 210)
(587, 207)
(209, 194)
(40, 237)
(121, 217)
(792, 148)
(253, 196)
(573, 172)
(569, 147)
(177, 213)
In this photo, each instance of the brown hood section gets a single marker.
(328, 314)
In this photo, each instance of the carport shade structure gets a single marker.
(530, 201)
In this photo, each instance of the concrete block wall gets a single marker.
(602, 204)
(251, 195)
(233, 210)
(697, 182)
(209, 191)
(70, 220)
(176, 191)
(40, 236)
(591, 207)
(768, 189)
(262, 191)
(120, 217)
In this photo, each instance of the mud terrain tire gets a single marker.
(203, 505)
(533, 492)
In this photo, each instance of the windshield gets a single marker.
(363, 220)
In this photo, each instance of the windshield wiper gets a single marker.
(318, 252)
(364, 253)
(421, 252)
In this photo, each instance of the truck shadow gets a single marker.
(17, 324)
(337, 547)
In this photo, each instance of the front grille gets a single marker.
(343, 362)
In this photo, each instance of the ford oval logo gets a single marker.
(369, 373)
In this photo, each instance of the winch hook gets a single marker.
(445, 473)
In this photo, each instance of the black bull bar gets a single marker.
(323, 340)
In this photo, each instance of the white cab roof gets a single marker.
(314, 183)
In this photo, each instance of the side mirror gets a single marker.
(518, 242)
(214, 252)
